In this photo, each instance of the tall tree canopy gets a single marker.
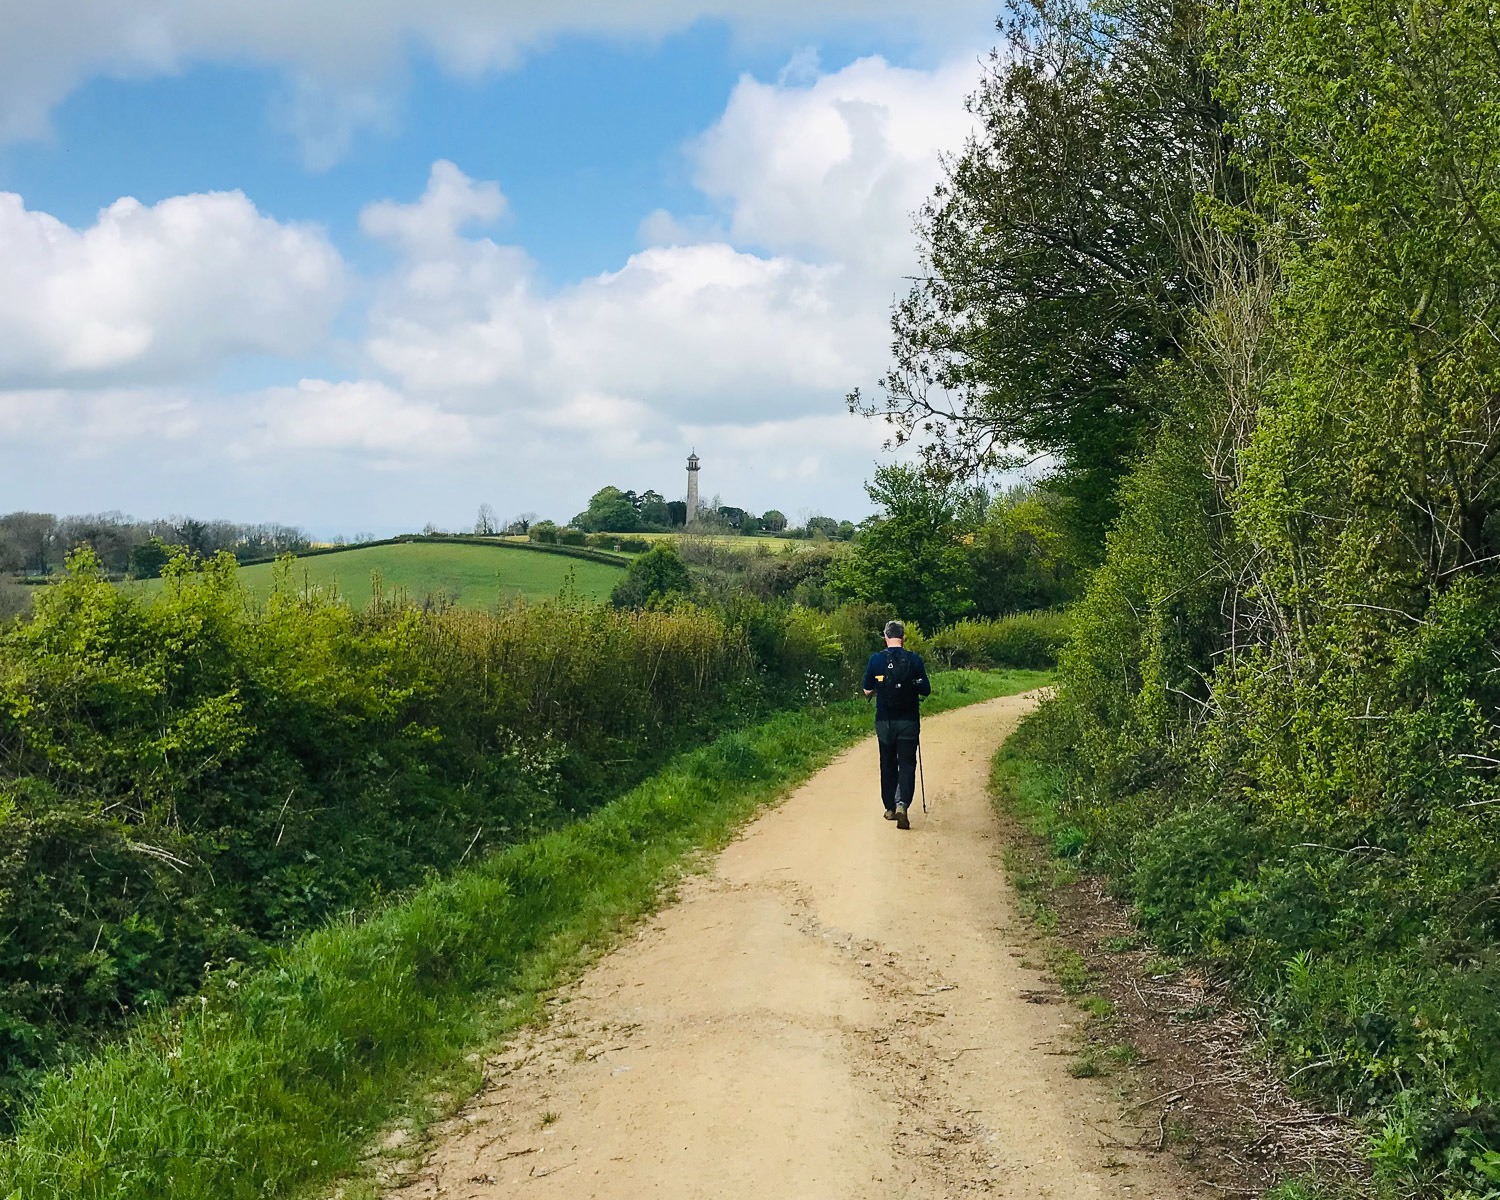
(1055, 259)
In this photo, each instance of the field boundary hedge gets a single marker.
(274, 1082)
(599, 556)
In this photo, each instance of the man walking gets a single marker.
(897, 679)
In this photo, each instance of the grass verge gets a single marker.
(1167, 1029)
(272, 1084)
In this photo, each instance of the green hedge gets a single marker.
(198, 778)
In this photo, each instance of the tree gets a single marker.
(653, 579)
(610, 511)
(1020, 554)
(487, 524)
(732, 517)
(677, 513)
(195, 535)
(911, 558)
(653, 511)
(773, 521)
(147, 559)
(1056, 251)
(521, 523)
(28, 540)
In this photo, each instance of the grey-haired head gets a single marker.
(895, 630)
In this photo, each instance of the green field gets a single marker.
(474, 576)
(737, 542)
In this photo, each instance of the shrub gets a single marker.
(656, 578)
(1029, 641)
(572, 537)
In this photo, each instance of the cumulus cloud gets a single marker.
(429, 226)
(688, 328)
(778, 303)
(349, 45)
(834, 168)
(160, 292)
(739, 328)
(361, 416)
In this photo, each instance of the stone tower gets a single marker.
(692, 496)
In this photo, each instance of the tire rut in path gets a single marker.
(836, 1009)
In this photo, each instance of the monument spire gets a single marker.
(692, 496)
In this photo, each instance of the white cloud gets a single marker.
(430, 226)
(360, 416)
(780, 307)
(158, 293)
(738, 330)
(325, 118)
(687, 329)
(835, 168)
(352, 45)
(91, 423)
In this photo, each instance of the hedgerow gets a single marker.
(187, 781)
(1236, 266)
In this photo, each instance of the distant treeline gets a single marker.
(35, 543)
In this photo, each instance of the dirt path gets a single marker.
(838, 1009)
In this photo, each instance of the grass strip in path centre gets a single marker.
(274, 1087)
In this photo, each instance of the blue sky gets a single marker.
(374, 281)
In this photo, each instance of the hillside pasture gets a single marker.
(474, 576)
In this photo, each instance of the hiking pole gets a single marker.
(922, 775)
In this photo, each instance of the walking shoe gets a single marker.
(890, 814)
(902, 821)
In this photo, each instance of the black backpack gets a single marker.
(897, 686)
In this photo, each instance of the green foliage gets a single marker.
(610, 510)
(1275, 726)
(1022, 554)
(1056, 271)
(196, 777)
(654, 513)
(656, 578)
(911, 558)
(1027, 640)
(275, 1081)
(938, 551)
(148, 559)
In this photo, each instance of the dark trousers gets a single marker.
(898, 760)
